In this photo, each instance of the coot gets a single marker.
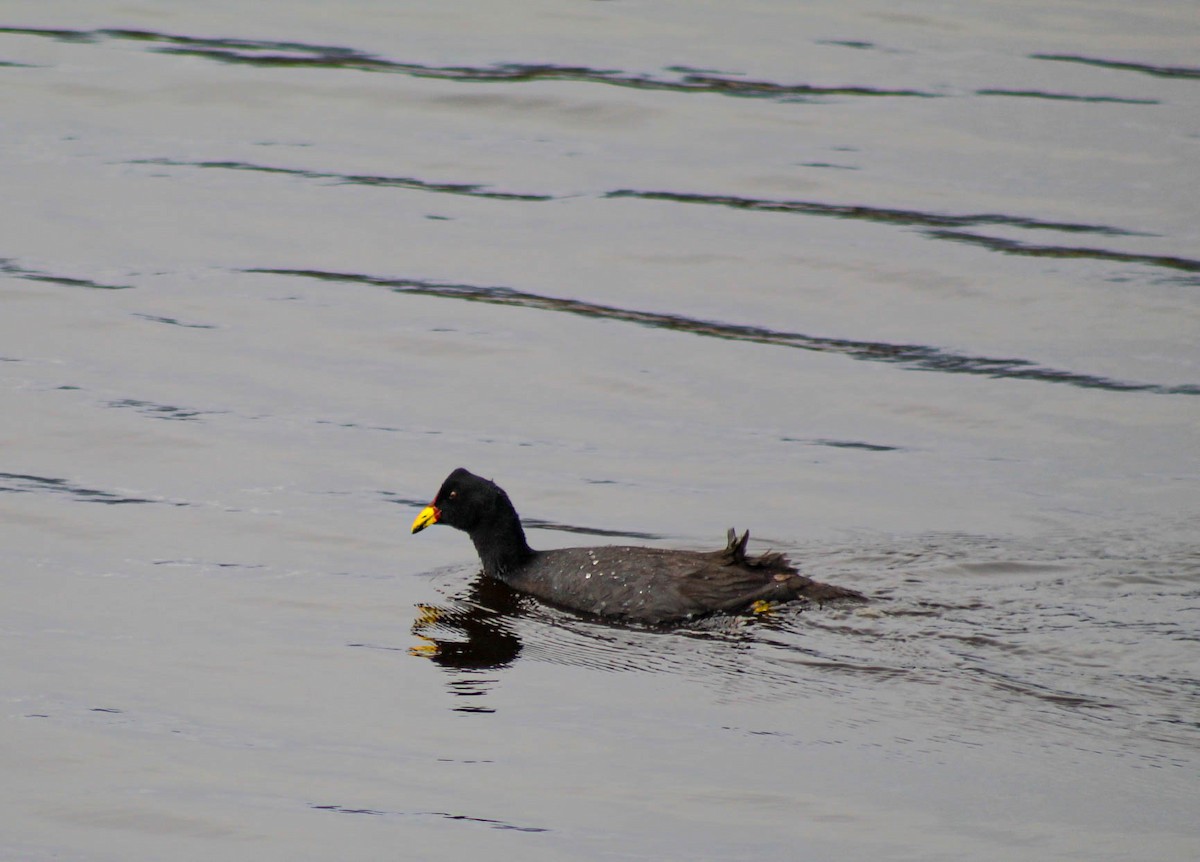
(646, 585)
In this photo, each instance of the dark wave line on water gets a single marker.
(937, 227)
(158, 411)
(1009, 246)
(171, 321)
(856, 44)
(914, 356)
(537, 524)
(874, 214)
(937, 224)
(848, 211)
(1011, 684)
(9, 267)
(469, 189)
(1066, 97)
(21, 483)
(298, 54)
(843, 444)
(445, 815)
(1191, 72)
(273, 53)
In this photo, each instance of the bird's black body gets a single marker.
(648, 585)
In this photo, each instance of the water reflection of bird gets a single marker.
(637, 584)
(474, 633)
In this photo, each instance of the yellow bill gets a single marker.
(429, 515)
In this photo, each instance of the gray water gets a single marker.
(909, 291)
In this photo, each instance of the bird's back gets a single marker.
(656, 585)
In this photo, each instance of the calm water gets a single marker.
(911, 292)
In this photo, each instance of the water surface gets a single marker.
(911, 294)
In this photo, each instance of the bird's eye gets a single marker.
(451, 495)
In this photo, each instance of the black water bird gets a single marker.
(636, 584)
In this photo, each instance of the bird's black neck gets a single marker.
(500, 542)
